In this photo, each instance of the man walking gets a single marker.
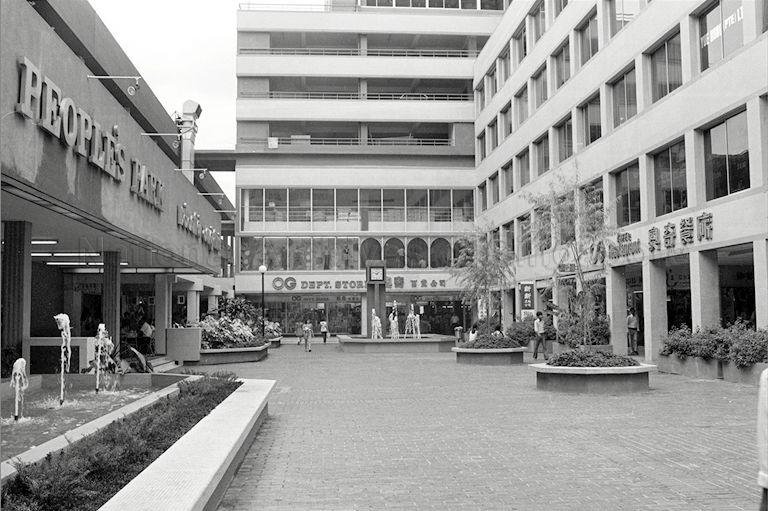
(307, 334)
(538, 329)
(632, 325)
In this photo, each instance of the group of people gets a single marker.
(308, 332)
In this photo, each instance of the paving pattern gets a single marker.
(420, 432)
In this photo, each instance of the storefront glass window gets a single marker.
(347, 253)
(276, 253)
(322, 205)
(370, 207)
(394, 205)
(463, 206)
(323, 254)
(255, 204)
(671, 189)
(370, 250)
(300, 250)
(721, 31)
(251, 253)
(299, 209)
(276, 205)
(346, 205)
(417, 205)
(726, 156)
(460, 245)
(439, 205)
(417, 253)
(440, 253)
(394, 253)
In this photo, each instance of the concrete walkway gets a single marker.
(350, 431)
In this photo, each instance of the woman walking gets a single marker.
(307, 334)
(324, 330)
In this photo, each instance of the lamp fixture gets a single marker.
(45, 242)
(201, 175)
(76, 254)
(131, 89)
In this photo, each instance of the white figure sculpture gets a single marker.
(394, 329)
(412, 324)
(103, 347)
(62, 321)
(375, 326)
(19, 383)
(417, 325)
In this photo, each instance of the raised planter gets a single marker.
(593, 380)
(276, 342)
(195, 471)
(490, 356)
(183, 344)
(749, 375)
(232, 355)
(558, 347)
(427, 344)
(693, 367)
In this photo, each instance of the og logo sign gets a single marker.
(288, 284)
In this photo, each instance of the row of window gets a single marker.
(721, 33)
(345, 253)
(356, 205)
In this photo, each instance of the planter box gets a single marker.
(427, 344)
(489, 357)
(183, 344)
(232, 355)
(749, 375)
(593, 380)
(558, 348)
(276, 342)
(195, 471)
(693, 367)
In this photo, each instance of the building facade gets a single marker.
(662, 108)
(355, 143)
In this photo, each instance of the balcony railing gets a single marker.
(370, 52)
(375, 96)
(355, 5)
(275, 142)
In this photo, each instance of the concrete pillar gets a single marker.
(695, 179)
(654, 306)
(507, 308)
(163, 304)
(689, 46)
(643, 81)
(213, 303)
(193, 306)
(616, 307)
(705, 289)
(760, 255)
(647, 189)
(363, 44)
(110, 300)
(16, 283)
(757, 133)
(364, 317)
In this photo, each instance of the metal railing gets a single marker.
(373, 96)
(410, 141)
(370, 52)
(351, 141)
(356, 5)
(301, 6)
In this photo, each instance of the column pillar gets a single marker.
(705, 289)
(654, 306)
(757, 133)
(213, 303)
(364, 316)
(110, 300)
(16, 284)
(616, 305)
(163, 299)
(507, 307)
(193, 306)
(760, 255)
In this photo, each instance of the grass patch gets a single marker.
(87, 474)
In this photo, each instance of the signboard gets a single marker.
(625, 246)
(527, 297)
(688, 233)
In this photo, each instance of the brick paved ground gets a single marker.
(359, 431)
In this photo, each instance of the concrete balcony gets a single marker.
(354, 66)
(301, 144)
(345, 110)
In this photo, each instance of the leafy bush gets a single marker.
(678, 341)
(491, 342)
(88, 473)
(749, 347)
(584, 358)
(225, 332)
(571, 331)
(521, 331)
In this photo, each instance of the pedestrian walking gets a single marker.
(307, 334)
(473, 333)
(324, 330)
(538, 329)
(632, 331)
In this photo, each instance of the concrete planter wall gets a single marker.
(749, 375)
(593, 380)
(232, 355)
(693, 367)
(276, 342)
(427, 344)
(183, 344)
(489, 357)
(558, 348)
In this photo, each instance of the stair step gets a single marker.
(162, 364)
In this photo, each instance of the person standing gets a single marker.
(538, 329)
(324, 330)
(473, 333)
(632, 326)
(307, 334)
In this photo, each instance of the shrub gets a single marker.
(678, 341)
(713, 342)
(749, 347)
(491, 342)
(225, 332)
(584, 358)
(521, 331)
(569, 328)
(86, 474)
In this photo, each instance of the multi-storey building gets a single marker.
(662, 107)
(354, 143)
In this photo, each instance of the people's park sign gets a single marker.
(42, 101)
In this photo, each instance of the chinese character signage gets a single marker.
(684, 232)
(527, 301)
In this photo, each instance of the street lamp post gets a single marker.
(262, 270)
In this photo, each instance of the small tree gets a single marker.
(573, 218)
(482, 267)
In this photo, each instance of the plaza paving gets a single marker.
(364, 431)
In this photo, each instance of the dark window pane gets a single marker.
(738, 153)
(622, 198)
(633, 179)
(674, 63)
(659, 72)
(716, 164)
(733, 26)
(663, 182)
(678, 178)
(710, 43)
